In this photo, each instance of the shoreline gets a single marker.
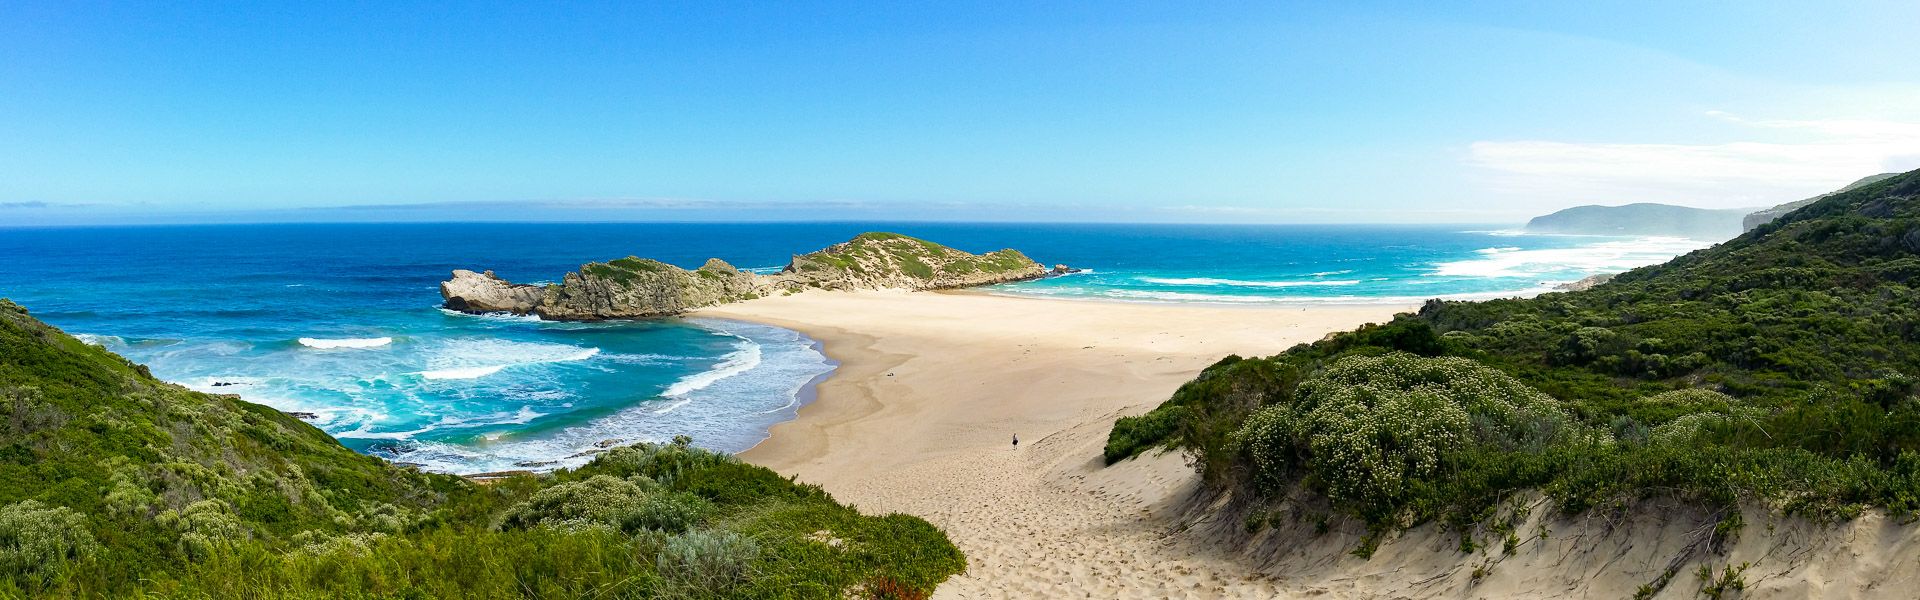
(809, 392)
(930, 387)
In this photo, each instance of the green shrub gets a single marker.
(37, 541)
(599, 501)
(1134, 435)
(1375, 429)
(711, 563)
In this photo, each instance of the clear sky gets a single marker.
(1102, 111)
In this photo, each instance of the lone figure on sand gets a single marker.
(1016, 440)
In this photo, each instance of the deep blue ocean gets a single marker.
(342, 320)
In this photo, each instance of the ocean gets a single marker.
(341, 321)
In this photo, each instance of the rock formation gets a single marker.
(634, 288)
(631, 288)
(1763, 217)
(892, 261)
(484, 293)
(1585, 283)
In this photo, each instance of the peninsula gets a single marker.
(633, 287)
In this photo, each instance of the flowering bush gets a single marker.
(1369, 427)
(36, 539)
(604, 501)
(708, 562)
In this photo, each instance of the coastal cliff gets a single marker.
(634, 288)
(1762, 217)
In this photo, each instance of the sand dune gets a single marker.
(932, 387)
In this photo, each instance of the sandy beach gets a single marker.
(932, 388)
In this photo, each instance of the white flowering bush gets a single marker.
(204, 527)
(708, 562)
(601, 499)
(1700, 410)
(1369, 426)
(604, 501)
(348, 544)
(36, 538)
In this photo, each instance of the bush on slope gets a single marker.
(1779, 366)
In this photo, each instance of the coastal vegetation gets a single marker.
(1778, 368)
(115, 484)
(1762, 217)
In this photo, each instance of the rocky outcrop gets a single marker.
(1763, 217)
(632, 287)
(635, 288)
(474, 292)
(894, 261)
(1585, 283)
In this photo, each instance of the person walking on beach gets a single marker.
(1016, 440)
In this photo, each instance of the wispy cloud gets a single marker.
(36, 204)
(1798, 158)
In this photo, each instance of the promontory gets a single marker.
(633, 288)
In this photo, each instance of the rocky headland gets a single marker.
(634, 288)
(1585, 283)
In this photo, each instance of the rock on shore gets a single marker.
(633, 287)
(474, 292)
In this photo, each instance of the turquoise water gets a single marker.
(341, 321)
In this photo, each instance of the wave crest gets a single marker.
(1215, 281)
(328, 344)
(478, 371)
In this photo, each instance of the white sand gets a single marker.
(931, 388)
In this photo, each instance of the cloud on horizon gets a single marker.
(1785, 160)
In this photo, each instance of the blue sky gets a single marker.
(1162, 111)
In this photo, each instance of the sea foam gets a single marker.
(1215, 281)
(324, 343)
(478, 371)
(745, 356)
(1610, 256)
(725, 407)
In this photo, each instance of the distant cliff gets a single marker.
(632, 287)
(1643, 219)
(1763, 217)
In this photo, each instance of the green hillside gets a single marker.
(1761, 217)
(1780, 367)
(1643, 219)
(114, 484)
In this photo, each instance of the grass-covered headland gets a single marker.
(114, 484)
(1779, 367)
